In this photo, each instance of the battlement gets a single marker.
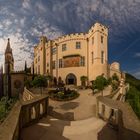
(71, 37)
(98, 26)
(75, 36)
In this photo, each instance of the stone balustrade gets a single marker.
(23, 114)
(27, 95)
(121, 116)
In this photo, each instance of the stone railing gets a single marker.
(22, 115)
(121, 116)
(27, 95)
(119, 94)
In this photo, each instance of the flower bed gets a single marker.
(65, 95)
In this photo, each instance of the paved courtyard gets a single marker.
(81, 108)
(71, 120)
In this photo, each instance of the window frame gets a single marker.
(64, 47)
(78, 45)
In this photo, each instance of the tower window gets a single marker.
(92, 57)
(53, 65)
(102, 39)
(92, 40)
(38, 69)
(82, 62)
(60, 63)
(38, 58)
(102, 57)
(54, 50)
(47, 71)
(78, 45)
(64, 47)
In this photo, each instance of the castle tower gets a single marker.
(9, 60)
(98, 50)
(40, 56)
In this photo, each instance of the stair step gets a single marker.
(83, 128)
(83, 122)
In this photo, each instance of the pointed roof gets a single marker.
(8, 48)
(25, 68)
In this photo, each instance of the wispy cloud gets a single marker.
(137, 54)
(24, 21)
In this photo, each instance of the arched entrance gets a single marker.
(71, 79)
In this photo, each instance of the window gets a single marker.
(47, 71)
(82, 62)
(53, 65)
(64, 47)
(102, 39)
(92, 57)
(92, 40)
(38, 69)
(60, 63)
(102, 57)
(38, 58)
(54, 50)
(47, 64)
(78, 45)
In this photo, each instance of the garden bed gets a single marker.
(65, 95)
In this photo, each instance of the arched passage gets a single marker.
(71, 79)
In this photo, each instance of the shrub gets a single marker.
(99, 83)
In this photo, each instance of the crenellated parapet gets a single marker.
(98, 27)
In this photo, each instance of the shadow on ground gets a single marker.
(46, 129)
(108, 133)
(66, 116)
(70, 105)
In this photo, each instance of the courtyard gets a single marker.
(75, 119)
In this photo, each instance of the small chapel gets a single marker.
(13, 80)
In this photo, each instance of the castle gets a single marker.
(75, 55)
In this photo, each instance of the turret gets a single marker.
(9, 60)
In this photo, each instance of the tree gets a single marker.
(115, 77)
(60, 82)
(114, 84)
(100, 83)
(83, 80)
(55, 81)
(115, 81)
(40, 81)
(49, 80)
(28, 83)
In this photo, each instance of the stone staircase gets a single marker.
(83, 129)
(54, 129)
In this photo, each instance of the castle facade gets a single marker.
(75, 55)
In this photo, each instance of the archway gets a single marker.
(71, 79)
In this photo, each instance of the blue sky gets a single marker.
(23, 21)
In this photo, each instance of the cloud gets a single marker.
(26, 20)
(26, 4)
(137, 55)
